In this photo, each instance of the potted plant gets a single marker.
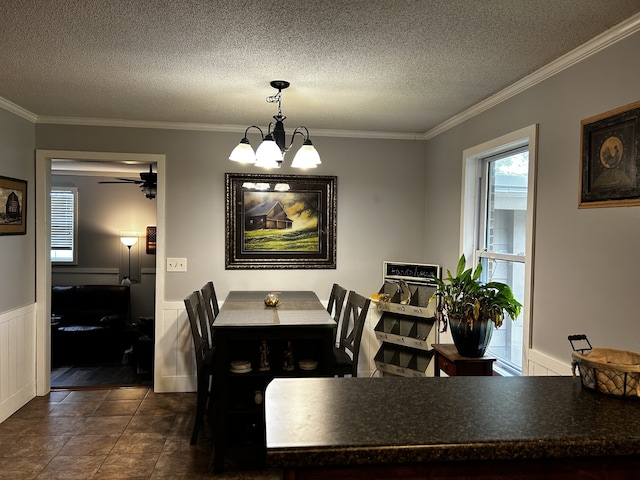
(472, 308)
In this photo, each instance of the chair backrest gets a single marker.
(194, 304)
(355, 315)
(211, 308)
(336, 301)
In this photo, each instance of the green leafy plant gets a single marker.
(466, 296)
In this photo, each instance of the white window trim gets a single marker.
(469, 205)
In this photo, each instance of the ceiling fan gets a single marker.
(148, 182)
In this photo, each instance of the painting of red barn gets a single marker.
(13, 203)
(266, 216)
(280, 221)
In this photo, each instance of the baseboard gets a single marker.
(174, 384)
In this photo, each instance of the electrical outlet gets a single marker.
(176, 264)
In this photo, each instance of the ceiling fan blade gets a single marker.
(148, 182)
(130, 182)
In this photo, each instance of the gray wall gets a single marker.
(586, 261)
(17, 252)
(380, 204)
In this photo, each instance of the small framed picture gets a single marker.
(151, 240)
(610, 161)
(13, 216)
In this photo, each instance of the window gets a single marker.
(498, 231)
(64, 229)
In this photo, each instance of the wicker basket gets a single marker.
(614, 372)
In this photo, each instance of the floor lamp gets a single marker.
(128, 241)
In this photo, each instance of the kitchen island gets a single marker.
(455, 428)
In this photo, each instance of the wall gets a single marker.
(380, 188)
(585, 268)
(103, 211)
(17, 257)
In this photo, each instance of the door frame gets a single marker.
(43, 245)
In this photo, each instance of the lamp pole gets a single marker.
(129, 241)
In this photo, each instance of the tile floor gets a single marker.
(124, 433)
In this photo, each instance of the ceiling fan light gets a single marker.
(150, 191)
(306, 157)
(243, 153)
(268, 154)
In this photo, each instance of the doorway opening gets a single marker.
(105, 211)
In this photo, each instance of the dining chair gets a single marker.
(211, 308)
(194, 304)
(345, 356)
(334, 306)
(336, 301)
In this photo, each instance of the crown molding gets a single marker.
(204, 127)
(593, 46)
(18, 110)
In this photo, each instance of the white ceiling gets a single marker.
(391, 67)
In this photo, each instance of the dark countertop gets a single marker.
(322, 422)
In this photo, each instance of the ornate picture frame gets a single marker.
(280, 221)
(610, 161)
(13, 206)
(151, 240)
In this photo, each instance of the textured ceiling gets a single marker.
(402, 66)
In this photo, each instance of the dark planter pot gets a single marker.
(471, 342)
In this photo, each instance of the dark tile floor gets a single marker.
(121, 433)
(99, 375)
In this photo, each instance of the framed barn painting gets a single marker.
(280, 221)
(610, 162)
(13, 216)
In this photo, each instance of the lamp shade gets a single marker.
(243, 152)
(129, 241)
(268, 154)
(306, 157)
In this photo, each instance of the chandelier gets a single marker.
(270, 153)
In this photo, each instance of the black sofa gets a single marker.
(89, 322)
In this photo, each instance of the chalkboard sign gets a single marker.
(411, 272)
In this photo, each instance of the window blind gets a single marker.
(63, 215)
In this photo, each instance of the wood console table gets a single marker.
(242, 325)
(453, 364)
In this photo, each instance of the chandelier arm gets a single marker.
(246, 132)
(302, 127)
(297, 132)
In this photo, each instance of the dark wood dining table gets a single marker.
(298, 330)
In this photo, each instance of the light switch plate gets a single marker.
(176, 264)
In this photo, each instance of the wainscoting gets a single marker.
(17, 359)
(175, 369)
